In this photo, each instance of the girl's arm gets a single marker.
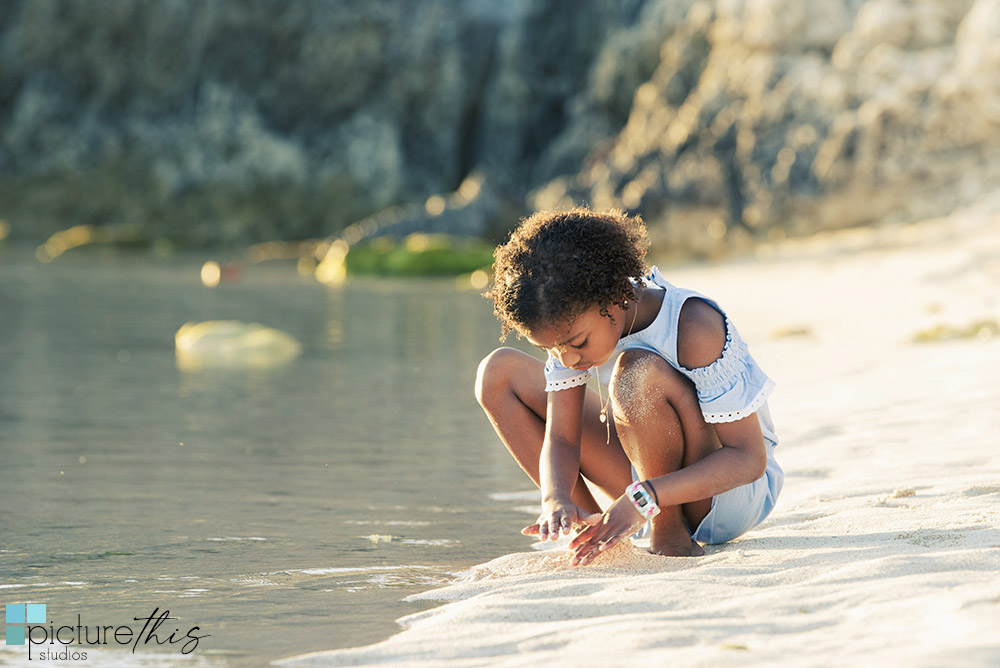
(741, 460)
(559, 463)
(701, 339)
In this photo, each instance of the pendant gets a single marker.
(604, 416)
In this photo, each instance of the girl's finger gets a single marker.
(583, 537)
(583, 557)
(587, 547)
(608, 543)
(530, 530)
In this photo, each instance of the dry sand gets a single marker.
(884, 549)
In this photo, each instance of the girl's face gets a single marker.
(587, 341)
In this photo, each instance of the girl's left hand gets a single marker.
(558, 518)
(619, 521)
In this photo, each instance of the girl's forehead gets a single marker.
(550, 335)
(544, 336)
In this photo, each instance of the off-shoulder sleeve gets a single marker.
(558, 377)
(733, 387)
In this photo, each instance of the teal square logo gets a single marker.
(36, 613)
(18, 616)
(15, 635)
(15, 613)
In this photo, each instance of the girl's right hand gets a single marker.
(557, 517)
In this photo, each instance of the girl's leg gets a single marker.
(510, 386)
(662, 430)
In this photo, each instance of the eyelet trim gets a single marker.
(556, 385)
(746, 411)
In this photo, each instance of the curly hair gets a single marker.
(556, 265)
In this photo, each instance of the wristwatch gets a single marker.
(642, 500)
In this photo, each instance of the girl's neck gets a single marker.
(642, 310)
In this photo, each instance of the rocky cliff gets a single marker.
(769, 117)
(230, 122)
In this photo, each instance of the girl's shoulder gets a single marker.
(701, 334)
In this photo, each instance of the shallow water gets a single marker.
(280, 511)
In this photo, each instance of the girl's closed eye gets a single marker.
(580, 346)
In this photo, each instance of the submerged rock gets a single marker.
(233, 344)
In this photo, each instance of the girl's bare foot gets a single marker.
(679, 545)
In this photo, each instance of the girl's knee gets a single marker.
(642, 379)
(495, 373)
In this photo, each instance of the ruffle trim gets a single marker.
(746, 411)
(556, 385)
(718, 373)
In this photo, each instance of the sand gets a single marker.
(884, 548)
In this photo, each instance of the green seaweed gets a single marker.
(981, 329)
(419, 255)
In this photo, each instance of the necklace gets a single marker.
(604, 404)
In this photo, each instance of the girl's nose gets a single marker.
(568, 358)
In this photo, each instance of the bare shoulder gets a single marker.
(701, 334)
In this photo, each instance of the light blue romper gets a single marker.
(729, 389)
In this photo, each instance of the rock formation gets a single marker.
(722, 122)
(771, 117)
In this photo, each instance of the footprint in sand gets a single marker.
(546, 644)
(981, 490)
(898, 493)
(930, 538)
(795, 519)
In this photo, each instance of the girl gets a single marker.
(685, 411)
